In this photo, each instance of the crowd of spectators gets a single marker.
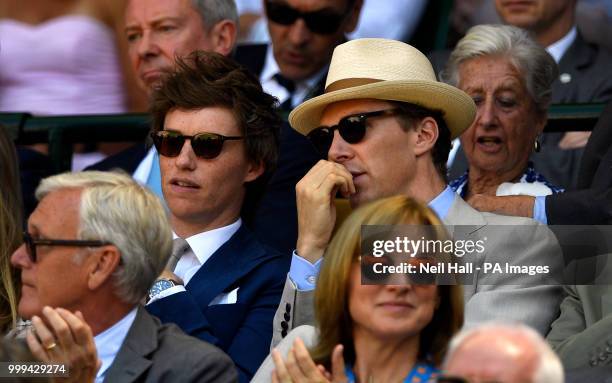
(230, 245)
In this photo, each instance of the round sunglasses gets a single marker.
(204, 145)
(352, 129)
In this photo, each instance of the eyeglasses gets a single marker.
(352, 129)
(31, 243)
(204, 145)
(323, 22)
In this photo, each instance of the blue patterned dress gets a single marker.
(460, 185)
(420, 373)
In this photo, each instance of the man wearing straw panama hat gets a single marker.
(385, 125)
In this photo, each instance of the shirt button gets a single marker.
(311, 279)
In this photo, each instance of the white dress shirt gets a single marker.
(271, 86)
(558, 49)
(109, 342)
(203, 246)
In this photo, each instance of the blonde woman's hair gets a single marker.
(331, 295)
(11, 223)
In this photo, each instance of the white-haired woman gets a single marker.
(509, 77)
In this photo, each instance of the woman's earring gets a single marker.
(537, 146)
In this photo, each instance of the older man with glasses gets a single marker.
(93, 246)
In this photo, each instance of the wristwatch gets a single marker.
(161, 285)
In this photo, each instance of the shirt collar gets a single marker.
(110, 340)
(205, 244)
(443, 202)
(558, 49)
(302, 88)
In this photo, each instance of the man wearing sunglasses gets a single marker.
(94, 244)
(385, 125)
(156, 32)
(217, 135)
(292, 68)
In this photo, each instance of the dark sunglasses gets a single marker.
(31, 243)
(204, 145)
(352, 129)
(323, 22)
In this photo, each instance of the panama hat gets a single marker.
(385, 70)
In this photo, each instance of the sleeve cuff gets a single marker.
(166, 293)
(539, 210)
(303, 273)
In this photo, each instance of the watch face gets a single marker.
(159, 286)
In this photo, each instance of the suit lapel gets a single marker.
(133, 359)
(578, 56)
(234, 259)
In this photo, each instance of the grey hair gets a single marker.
(548, 368)
(115, 208)
(526, 54)
(213, 11)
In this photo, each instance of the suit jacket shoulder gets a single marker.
(252, 57)
(127, 160)
(153, 352)
(590, 79)
(581, 335)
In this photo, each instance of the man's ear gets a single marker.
(353, 19)
(255, 170)
(101, 265)
(223, 35)
(427, 135)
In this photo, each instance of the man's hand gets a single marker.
(517, 205)
(65, 338)
(167, 274)
(315, 194)
(574, 140)
(299, 366)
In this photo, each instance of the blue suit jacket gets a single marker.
(244, 329)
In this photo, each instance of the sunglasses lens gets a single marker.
(207, 145)
(352, 129)
(281, 14)
(324, 23)
(368, 273)
(321, 139)
(167, 143)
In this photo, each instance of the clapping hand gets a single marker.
(300, 368)
(65, 338)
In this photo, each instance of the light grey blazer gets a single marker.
(490, 297)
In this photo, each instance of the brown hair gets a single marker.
(11, 219)
(208, 79)
(412, 113)
(331, 295)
